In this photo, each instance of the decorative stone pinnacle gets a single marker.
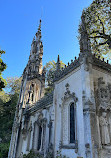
(58, 63)
(85, 46)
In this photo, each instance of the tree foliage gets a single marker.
(2, 68)
(14, 83)
(98, 24)
(8, 101)
(50, 71)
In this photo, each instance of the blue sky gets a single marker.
(19, 20)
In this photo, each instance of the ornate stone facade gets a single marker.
(75, 119)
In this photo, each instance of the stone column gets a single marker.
(29, 136)
(35, 137)
(43, 134)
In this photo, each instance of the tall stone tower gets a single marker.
(32, 88)
(33, 75)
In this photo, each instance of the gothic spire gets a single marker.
(36, 53)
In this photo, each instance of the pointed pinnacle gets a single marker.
(58, 63)
(58, 59)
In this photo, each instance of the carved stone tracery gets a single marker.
(104, 112)
(104, 95)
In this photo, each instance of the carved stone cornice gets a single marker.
(67, 69)
(85, 58)
(101, 63)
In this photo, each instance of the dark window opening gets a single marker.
(50, 131)
(72, 124)
(32, 96)
(39, 138)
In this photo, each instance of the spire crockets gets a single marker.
(38, 34)
(58, 63)
(36, 53)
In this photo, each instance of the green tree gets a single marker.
(50, 70)
(98, 24)
(8, 101)
(13, 84)
(2, 68)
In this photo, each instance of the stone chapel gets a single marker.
(75, 119)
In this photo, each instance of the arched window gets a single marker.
(40, 137)
(68, 119)
(72, 123)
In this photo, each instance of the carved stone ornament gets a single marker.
(39, 120)
(104, 95)
(68, 94)
(50, 124)
(44, 121)
(105, 137)
(89, 106)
